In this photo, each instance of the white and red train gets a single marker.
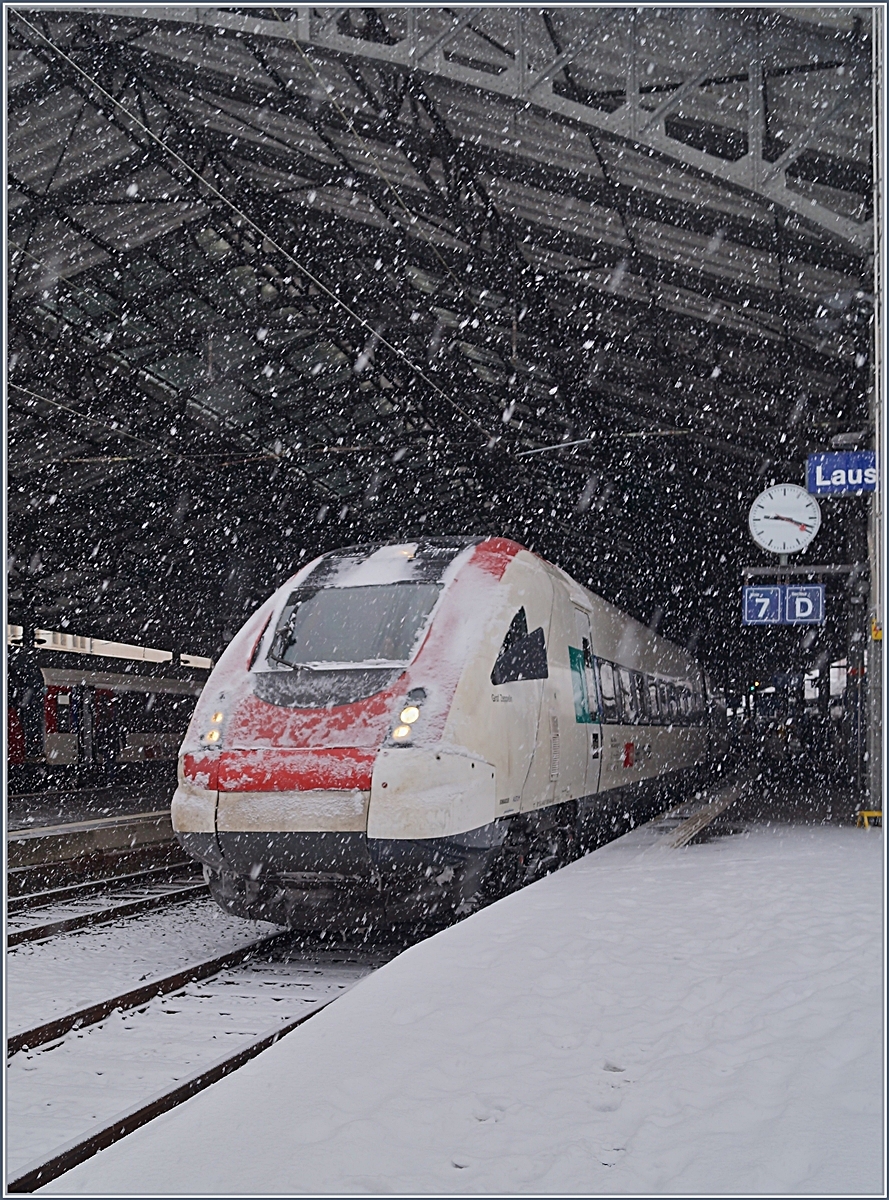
(402, 730)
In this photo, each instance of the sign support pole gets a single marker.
(874, 654)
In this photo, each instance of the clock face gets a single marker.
(784, 518)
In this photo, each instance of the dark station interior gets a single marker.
(281, 281)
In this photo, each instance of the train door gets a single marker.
(60, 725)
(587, 713)
(85, 723)
(15, 738)
(105, 725)
(518, 683)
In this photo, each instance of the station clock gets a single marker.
(784, 519)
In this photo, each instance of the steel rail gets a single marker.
(128, 908)
(84, 1147)
(101, 867)
(75, 891)
(92, 1013)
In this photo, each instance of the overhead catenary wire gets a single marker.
(91, 296)
(365, 145)
(230, 204)
(264, 455)
(641, 433)
(115, 430)
(492, 439)
(179, 457)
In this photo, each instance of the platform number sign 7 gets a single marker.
(763, 605)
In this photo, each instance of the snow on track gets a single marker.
(66, 973)
(63, 1090)
(645, 1021)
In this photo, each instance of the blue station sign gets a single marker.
(843, 474)
(804, 605)
(783, 604)
(763, 605)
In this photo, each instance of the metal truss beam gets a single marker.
(753, 174)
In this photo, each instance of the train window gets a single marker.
(610, 702)
(518, 629)
(379, 623)
(628, 695)
(579, 687)
(583, 670)
(590, 675)
(654, 706)
(522, 655)
(641, 692)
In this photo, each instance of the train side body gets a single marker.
(309, 799)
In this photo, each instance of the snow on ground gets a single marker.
(63, 1091)
(62, 974)
(645, 1021)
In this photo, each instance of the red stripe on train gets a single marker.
(333, 768)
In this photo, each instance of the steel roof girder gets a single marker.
(505, 84)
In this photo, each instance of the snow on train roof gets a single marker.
(420, 561)
(622, 639)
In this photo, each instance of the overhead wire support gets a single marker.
(365, 145)
(412, 217)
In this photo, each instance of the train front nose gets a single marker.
(282, 832)
(295, 812)
(335, 837)
(257, 797)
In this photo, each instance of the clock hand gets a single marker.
(792, 520)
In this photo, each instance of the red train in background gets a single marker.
(74, 721)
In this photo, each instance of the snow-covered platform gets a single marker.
(647, 1020)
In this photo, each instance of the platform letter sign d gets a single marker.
(804, 605)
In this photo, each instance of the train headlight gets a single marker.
(410, 714)
(213, 735)
(218, 716)
(401, 733)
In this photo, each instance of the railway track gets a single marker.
(48, 857)
(79, 1149)
(40, 1035)
(44, 897)
(124, 903)
(309, 978)
(90, 866)
(46, 904)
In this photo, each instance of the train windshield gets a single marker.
(356, 626)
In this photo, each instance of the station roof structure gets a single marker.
(282, 279)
